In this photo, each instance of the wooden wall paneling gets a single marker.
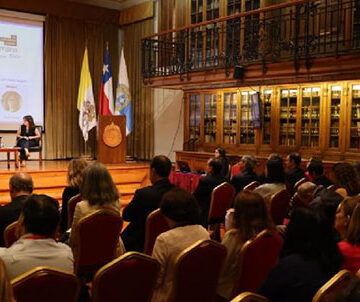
(202, 114)
(219, 118)
(180, 13)
(137, 13)
(186, 117)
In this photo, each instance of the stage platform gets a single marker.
(50, 178)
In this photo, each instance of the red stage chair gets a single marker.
(251, 186)
(249, 297)
(71, 208)
(257, 257)
(299, 183)
(44, 284)
(11, 234)
(155, 225)
(329, 291)
(197, 271)
(97, 237)
(130, 277)
(279, 205)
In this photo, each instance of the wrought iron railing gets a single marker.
(300, 30)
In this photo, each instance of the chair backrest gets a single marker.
(299, 183)
(221, 199)
(97, 236)
(251, 186)
(197, 271)
(279, 205)
(71, 208)
(250, 297)
(332, 187)
(40, 128)
(155, 225)
(11, 234)
(44, 284)
(257, 257)
(330, 290)
(121, 279)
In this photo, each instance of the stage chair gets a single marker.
(279, 205)
(299, 183)
(97, 236)
(44, 284)
(130, 277)
(251, 186)
(257, 257)
(71, 208)
(197, 271)
(155, 225)
(221, 200)
(250, 297)
(11, 234)
(329, 291)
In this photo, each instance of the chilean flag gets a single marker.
(106, 103)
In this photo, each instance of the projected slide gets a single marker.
(21, 73)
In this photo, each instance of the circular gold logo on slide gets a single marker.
(11, 101)
(112, 135)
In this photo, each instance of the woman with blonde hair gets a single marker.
(74, 180)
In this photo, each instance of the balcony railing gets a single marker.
(300, 30)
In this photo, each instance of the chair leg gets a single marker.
(40, 157)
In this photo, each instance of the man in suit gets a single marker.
(144, 202)
(20, 186)
(206, 185)
(294, 173)
(246, 165)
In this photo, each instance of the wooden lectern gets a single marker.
(112, 139)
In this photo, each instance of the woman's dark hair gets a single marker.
(216, 165)
(251, 215)
(275, 171)
(310, 235)
(221, 151)
(353, 232)
(98, 186)
(30, 120)
(181, 207)
(347, 178)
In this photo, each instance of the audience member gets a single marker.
(346, 179)
(144, 202)
(206, 185)
(20, 186)
(221, 155)
(294, 173)
(74, 180)
(183, 215)
(310, 258)
(250, 218)
(246, 165)
(316, 175)
(98, 191)
(261, 177)
(343, 215)
(275, 180)
(39, 221)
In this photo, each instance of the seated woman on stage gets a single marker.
(27, 136)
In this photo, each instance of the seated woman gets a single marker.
(343, 215)
(310, 258)
(221, 154)
(98, 191)
(347, 180)
(250, 218)
(183, 216)
(74, 179)
(27, 136)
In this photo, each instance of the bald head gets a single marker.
(20, 184)
(306, 190)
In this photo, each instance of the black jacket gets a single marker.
(143, 203)
(323, 181)
(239, 181)
(293, 176)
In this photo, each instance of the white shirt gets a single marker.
(26, 254)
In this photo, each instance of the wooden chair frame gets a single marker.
(250, 297)
(71, 212)
(8, 229)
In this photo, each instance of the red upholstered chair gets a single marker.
(197, 271)
(130, 277)
(279, 205)
(299, 183)
(257, 257)
(97, 236)
(45, 284)
(235, 170)
(155, 225)
(249, 297)
(11, 234)
(252, 186)
(329, 291)
(71, 208)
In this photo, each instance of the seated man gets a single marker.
(246, 165)
(294, 173)
(206, 185)
(144, 202)
(39, 221)
(20, 186)
(315, 169)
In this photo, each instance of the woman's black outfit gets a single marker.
(24, 143)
